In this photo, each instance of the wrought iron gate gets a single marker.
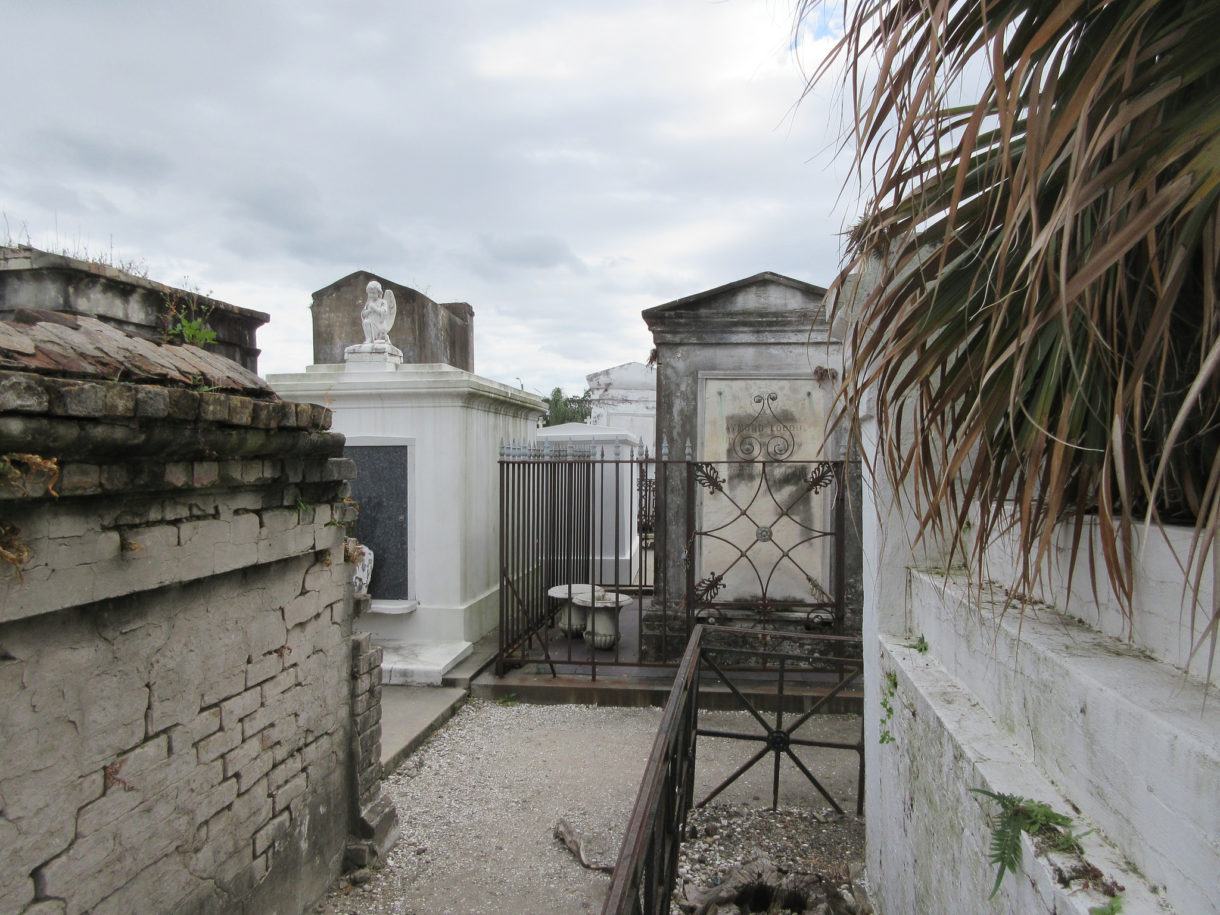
(611, 557)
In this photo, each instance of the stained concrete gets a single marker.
(409, 715)
(425, 331)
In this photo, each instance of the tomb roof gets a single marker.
(722, 294)
(66, 345)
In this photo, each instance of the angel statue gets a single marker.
(378, 313)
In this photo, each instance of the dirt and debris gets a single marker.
(479, 803)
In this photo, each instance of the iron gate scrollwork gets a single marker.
(766, 540)
(761, 546)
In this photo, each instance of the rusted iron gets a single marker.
(755, 543)
(643, 878)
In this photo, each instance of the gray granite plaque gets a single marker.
(381, 489)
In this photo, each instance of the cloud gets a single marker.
(558, 166)
(534, 252)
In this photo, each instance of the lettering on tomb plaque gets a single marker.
(381, 488)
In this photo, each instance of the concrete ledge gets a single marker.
(409, 716)
(1164, 602)
(936, 832)
(421, 663)
(1128, 739)
(394, 607)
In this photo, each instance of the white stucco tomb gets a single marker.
(616, 539)
(625, 397)
(430, 434)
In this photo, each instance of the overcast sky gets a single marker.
(561, 165)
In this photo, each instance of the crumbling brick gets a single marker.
(275, 830)
(22, 394)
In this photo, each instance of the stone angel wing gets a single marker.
(391, 309)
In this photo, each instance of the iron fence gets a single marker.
(573, 530)
(609, 557)
(643, 878)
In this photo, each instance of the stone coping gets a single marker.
(82, 420)
(33, 279)
(85, 393)
(425, 384)
(71, 345)
(24, 257)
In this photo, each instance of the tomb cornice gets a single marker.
(740, 327)
(428, 385)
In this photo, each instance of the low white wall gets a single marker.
(1043, 705)
(1172, 613)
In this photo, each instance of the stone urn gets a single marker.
(601, 623)
(572, 616)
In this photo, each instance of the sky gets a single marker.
(561, 165)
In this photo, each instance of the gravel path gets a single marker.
(478, 805)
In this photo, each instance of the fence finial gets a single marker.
(664, 447)
(688, 451)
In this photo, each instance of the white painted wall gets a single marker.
(625, 397)
(616, 542)
(1045, 706)
(1172, 615)
(457, 421)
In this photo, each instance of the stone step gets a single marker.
(420, 663)
(410, 715)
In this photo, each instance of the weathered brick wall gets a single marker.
(366, 714)
(376, 824)
(175, 648)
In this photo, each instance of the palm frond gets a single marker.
(1044, 337)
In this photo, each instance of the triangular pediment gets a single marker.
(765, 291)
(766, 307)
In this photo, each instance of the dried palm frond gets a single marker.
(1043, 339)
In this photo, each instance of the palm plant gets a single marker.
(1043, 338)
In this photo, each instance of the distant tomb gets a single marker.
(625, 397)
(425, 331)
(423, 431)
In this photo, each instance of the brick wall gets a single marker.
(176, 663)
(376, 824)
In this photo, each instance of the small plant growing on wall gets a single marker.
(888, 691)
(186, 319)
(21, 472)
(1017, 815)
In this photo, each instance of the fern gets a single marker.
(1017, 815)
(1113, 907)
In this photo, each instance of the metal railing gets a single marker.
(643, 878)
(569, 517)
(746, 543)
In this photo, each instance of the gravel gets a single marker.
(478, 805)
